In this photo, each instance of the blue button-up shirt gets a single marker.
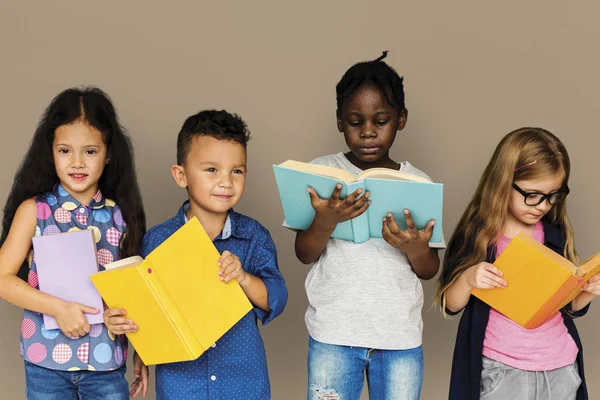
(235, 367)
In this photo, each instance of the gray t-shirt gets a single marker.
(364, 295)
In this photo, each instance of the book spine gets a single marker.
(562, 297)
(180, 325)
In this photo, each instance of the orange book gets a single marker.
(539, 281)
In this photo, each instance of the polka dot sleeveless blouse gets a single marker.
(100, 350)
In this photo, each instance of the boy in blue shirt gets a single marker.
(211, 166)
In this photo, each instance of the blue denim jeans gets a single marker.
(48, 384)
(338, 372)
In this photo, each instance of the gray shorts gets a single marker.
(501, 382)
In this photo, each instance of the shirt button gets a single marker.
(213, 378)
(81, 210)
(213, 345)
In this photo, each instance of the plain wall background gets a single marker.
(473, 72)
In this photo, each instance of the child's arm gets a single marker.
(590, 290)
(140, 370)
(311, 243)
(69, 315)
(253, 287)
(483, 276)
(424, 261)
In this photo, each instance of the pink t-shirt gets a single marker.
(544, 348)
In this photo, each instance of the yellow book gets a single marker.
(539, 281)
(175, 296)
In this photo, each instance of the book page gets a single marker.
(317, 169)
(126, 262)
(387, 173)
(590, 267)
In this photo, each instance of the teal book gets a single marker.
(390, 191)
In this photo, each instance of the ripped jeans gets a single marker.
(338, 372)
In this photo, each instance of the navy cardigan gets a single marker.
(465, 380)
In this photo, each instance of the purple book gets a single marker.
(64, 264)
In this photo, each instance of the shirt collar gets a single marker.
(70, 203)
(233, 224)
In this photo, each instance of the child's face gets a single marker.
(530, 215)
(79, 158)
(369, 124)
(214, 173)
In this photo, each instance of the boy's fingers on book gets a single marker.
(112, 312)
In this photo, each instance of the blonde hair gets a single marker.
(526, 153)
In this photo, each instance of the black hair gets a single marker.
(218, 124)
(374, 73)
(37, 174)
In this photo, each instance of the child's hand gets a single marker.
(484, 276)
(231, 268)
(72, 321)
(412, 241)
(331, 212)
(115, 321)
(140, 371)
(593, 285)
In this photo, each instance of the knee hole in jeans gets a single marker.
(323, 394)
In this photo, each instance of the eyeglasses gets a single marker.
(535, 198)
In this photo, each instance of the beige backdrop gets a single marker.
(474, 71)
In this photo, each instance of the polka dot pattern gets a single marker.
(81, 218)
(104, 257)
(212, 372)
(28, 328)
(51, 230)
(113, 236)
(36, 353)
(51, 200)
(98, 351)
(83, 353)
(118, 216)
(96, 330)
(118, 355)
(62, 215)
(51, 333)
(62, 353)
(103, 353)
(32, 279)
(43, 211)
(69, 206)
(101, 216)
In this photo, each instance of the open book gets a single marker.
(390, 191)
(539, 281)
(175, 296)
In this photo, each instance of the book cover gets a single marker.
(64, 264)
(540, 282)
(175, 296)
(390, 191)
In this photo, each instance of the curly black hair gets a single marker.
(218, 124)
(37, 174)
(374, 73)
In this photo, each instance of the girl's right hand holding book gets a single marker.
(332, 211)
(117, 323)
(484, 276)
(481, 276)
(71, 319)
